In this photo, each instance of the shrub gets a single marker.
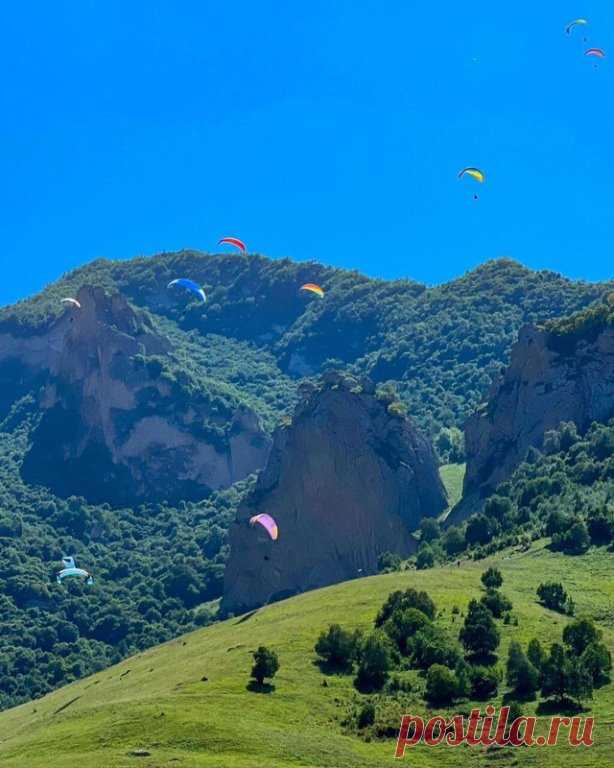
(338, 647)
(522, 676)
(553, 596)
(492, 578)
(388, 562)
(479, 635)
(453, 541)
(441, 685)
(484, 682)
(580, 634)
(265, 664)
(403, 624)
(399, 600)
(375, 662)
(429, 529)
(425, 558)
(496, 602)
(597, 661)
(366, 716)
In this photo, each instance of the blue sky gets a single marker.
(330, 130)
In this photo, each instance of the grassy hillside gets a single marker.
(252, 342)
(159, 701)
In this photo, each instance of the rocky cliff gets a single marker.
(562, 374)
(120, 421)
(348, 479)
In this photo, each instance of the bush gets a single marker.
(375, 662)
(522, 676)
(431, 646)
(597, 661)
(425, 558)
(480, 530)
(338, 647)
(553, 596)
(366, 716)
(265, 664)
(429, 529)
(388, 562)
(441, 686)
(484, 682)
(580, 634)
(479, 635)
(565, 677)
(399, 600)
(496, 603)
(403, 625)
(492, 578)
(453, 541)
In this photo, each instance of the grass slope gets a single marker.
(157, 701)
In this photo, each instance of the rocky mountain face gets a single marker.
(349, 479)
(116, 425)
(551, 378)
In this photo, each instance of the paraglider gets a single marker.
(314, 288)
(598, 52)
(70, 570)
(233, 241)
(575, 23)
(475, 173)
(189, 285)
(72, 302)
(268, 523)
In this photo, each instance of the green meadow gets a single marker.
(186, 703)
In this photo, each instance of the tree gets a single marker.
(429, 529)
(388, 562)
(265, 665)
(597, 661)
(453, 541)
(403, 624)
(536, 655)
(338, 647)
(425, 558)
(575, 540)
(557, 522)
(432, 646)
(566, 677)
(580, 634)
(375, 662)
(492, 578)
(553, 596)
(522, 676)
(600, 526)
(496, 603)
(479, 634)
(480, 530)
(499, 508)
(484, 682)
(399, 600)
(441, 685)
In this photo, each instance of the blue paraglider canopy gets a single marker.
(189, 285)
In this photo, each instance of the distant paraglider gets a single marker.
(314, 288)
(268, 523)
(475, 173)
(70, 570)
(233, 241)
(575, 23)
(189, 285)
(598, 52)
(72, 302)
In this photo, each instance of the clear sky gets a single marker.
(328, 129)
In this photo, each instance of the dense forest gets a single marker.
(158, 567)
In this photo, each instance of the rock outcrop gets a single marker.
(552, 377)
(347, 480)
(115, 427)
